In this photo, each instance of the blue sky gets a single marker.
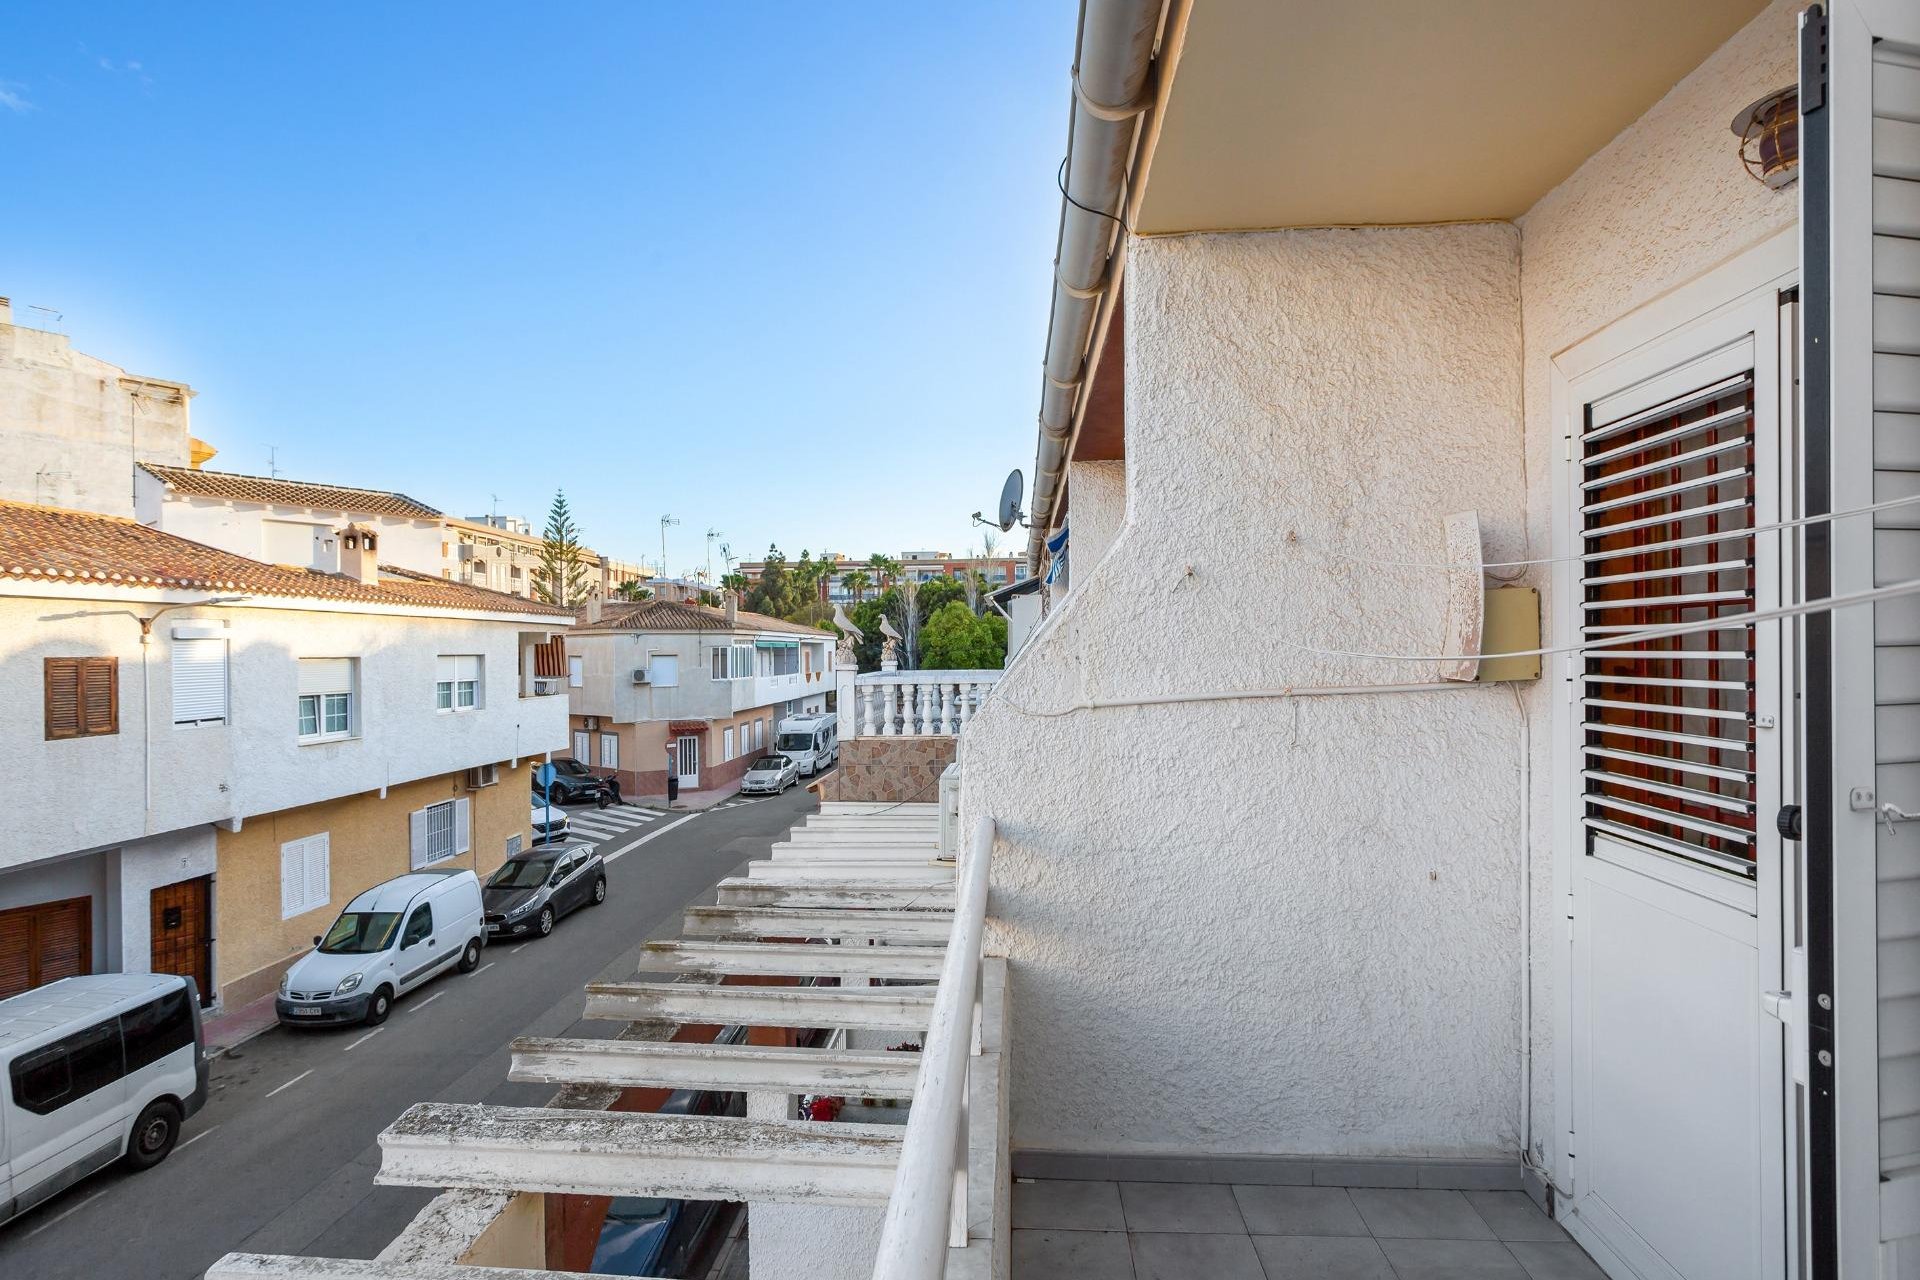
(776, 269)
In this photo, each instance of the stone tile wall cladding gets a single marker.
(889, 769)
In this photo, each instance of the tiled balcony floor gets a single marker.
(1183, 1230)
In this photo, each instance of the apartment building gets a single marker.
(502, 553)
(216, 752)
(916, 566)
(665, 687)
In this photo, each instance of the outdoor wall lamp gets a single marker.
(1769, 133)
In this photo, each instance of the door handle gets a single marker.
(429, 941)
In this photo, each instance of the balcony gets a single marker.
(918, 703)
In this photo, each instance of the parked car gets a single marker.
(550, 824)
(98, 1068)
(568, 787)
(388, 941)
(530, 893)
(651, 1236)
(770, 775)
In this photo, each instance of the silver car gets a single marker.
(770, 775)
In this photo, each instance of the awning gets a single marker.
(763, 642)
(677, 727)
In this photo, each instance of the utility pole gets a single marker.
(665, 521)
(711, 535)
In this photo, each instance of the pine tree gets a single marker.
(561, 579)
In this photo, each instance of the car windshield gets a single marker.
(769, 763)
(795, 742)
(522, 873)
(359, 933)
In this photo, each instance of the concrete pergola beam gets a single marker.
(925, 871)
(912, 927)
(792, 959)
(788, 851)
(621, 1153)
(264, 1266)
(727, 1068)
(787, 893)
(855, 1008)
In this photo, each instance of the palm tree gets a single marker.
(734, 582)
(857, 582)
(632, 590)
(886, 567)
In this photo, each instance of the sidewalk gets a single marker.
(689, 800)
(229, 1030)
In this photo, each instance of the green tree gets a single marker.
(773, 594)
(954, 638)
(885, 568)
(560, 578)
(936, 594)
(632, 590)
(734, 582)
(858, 582)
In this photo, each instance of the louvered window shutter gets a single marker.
(100, 695)
(199, 679)
(318, 871)
(417, 838)
(292, 877)
(462, 828)
(61, 677)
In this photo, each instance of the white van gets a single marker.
(97, 1069)
(388, 941)
(812, 742)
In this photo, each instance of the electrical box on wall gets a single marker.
(1512, 625)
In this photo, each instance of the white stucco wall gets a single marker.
(835, 1242)
(72, 426)
(146, 865)
(1660, 205)
(252, 764)
(1257, 925)
(1099, 495)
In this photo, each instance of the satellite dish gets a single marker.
(1010, 495)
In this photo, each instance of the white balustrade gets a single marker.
(919, 703)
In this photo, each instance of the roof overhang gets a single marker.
(1285, 113)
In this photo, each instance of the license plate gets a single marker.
(306, 1013)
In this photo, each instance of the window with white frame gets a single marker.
(306, 876)
(437, 832)
(583, 746)
(199, 678)
(733, 662)
(576, 670)
(458, 686)
(759, 734)
(609, 751)
(326, 699)
(726, 745)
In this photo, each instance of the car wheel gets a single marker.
(599, 891)
(470, 958)
(379, 1005)
(546, 921)
(154, 1134)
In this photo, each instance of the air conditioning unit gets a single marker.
(483, 775)
(640, 675)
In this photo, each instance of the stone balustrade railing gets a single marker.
(917, 703)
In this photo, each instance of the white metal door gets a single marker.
(687, 760)
(1677, 1139)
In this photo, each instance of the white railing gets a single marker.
(927, 1210)
(918, 703)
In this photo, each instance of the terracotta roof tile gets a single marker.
(288, 493)
(50, 544)
(669, 615)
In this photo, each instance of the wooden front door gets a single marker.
(182, 932)
(44, 943)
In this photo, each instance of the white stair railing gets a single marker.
(927, 1210)
(918, 703)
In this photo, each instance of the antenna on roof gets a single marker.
(273, 462)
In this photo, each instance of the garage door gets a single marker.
(44, 943)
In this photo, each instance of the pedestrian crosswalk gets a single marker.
(601, 824)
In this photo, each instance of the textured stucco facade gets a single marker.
(72, 426)
(1240, 920)
(1099, 493)
(1662, 204)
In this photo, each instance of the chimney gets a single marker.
(733, 606)
(360, 554)
(593, 611)
(6, 310)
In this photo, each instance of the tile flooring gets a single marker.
(1182, 1230)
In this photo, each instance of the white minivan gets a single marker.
(812, 742)
(388, 941)
(97, 1068)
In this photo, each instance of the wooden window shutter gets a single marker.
(62, 680)
(82, 696)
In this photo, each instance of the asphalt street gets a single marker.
(282, 1158)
